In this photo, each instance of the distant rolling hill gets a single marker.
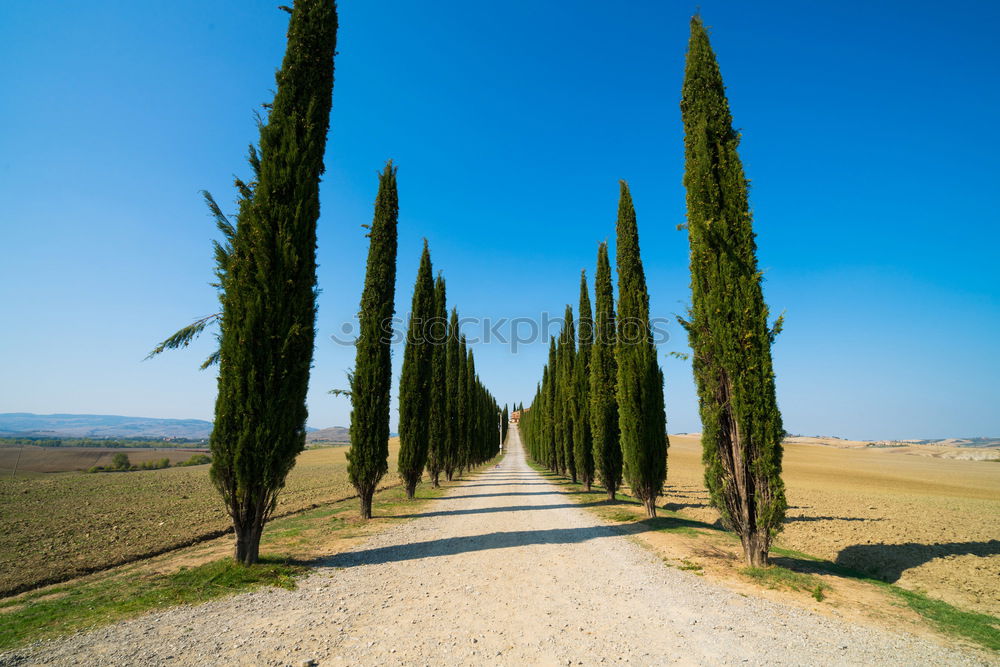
(29, 425)
(26, 424)
(332, 434)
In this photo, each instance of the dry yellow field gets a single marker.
(928, 524)
(65, 524)
(33, 459)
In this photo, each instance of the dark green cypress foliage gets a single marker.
(368, 457)
(604, 379)
(582, 446)
(452, 394)
(641, 419)
(437, 332)
(727, 327)
(472, 422)
(462, 406)
(415, 380)
(504, 424)
(566, 390)
(268, 290)
(549, 383)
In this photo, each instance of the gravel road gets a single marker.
(504, 570)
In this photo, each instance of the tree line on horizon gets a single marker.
(599, 412)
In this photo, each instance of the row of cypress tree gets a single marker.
(599, 408)
(448, 421)
(728, 332)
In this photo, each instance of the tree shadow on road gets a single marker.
(506, 482)
(497, 495)
(491, 510)
(450, 546)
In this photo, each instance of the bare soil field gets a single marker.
(76, 459)
(925, 523)
(503, 568)
(62, 525)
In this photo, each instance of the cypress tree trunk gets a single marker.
(268, 286)
(368, 457)
(640, 382)
(452, 396)
(727, 326)
(582, 445)
(415, 380)
(604, 379)
(437, 331)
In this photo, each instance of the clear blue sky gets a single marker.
(869, 135)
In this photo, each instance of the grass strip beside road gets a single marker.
(292, 544)
(792, 570)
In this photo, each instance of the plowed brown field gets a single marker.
(928, 524)
(60, 525)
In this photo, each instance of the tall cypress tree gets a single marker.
(567, 391)
(415, 380)
(604, 379)
(641, 419)
(462, 406)
(504, 424)
(582, 445)
(473, 415)
(368, 457)
(452, 396)
(437, 332)
(268, 286)
(727, 325)
(549, 383)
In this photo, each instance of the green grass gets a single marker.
(980, 628)
(776, 577)
(65, 609)
(113, 596)
(689, 566)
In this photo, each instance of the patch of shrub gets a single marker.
(196, 460)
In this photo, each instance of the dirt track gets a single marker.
(504, 570)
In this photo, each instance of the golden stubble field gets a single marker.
(60, 525)
(928, 524)
(33, 459)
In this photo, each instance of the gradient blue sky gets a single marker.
(869, 135)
